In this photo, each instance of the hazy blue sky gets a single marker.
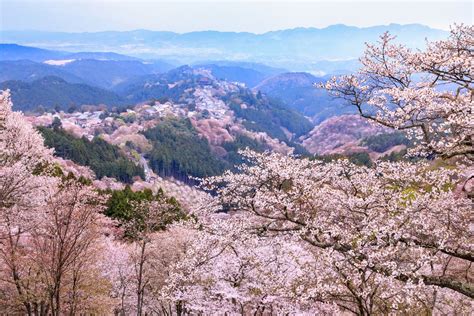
(224, 15)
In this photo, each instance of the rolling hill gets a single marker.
(52, 91)
(196, 87)
(26, 70)
(19, 52)
(100, 69)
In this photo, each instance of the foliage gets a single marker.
(233, 156)
(382, 142)
(103, 158)
(49, 227)
(179, 151)
(332, 237)
(156, 86)
(299, 150)
(426, 93)
(300, 236)
(120, 205)
(396, 156)
(333, 230)
(359, 159)
(147, 217)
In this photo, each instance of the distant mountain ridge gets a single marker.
(100, 69)
(108, 73)
(20, 52)
(294, 49)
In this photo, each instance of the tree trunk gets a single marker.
(140, 289)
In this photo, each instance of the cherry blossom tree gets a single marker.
(56, 245)
(65, 245)
(164, 253)
(24, 189)
(429, 93)
(57, 260)
(147, 218)
(118, 270)
(393, 238)
(283, 235)
(49, 228)
(228, 270)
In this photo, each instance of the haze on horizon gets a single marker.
(224, 15)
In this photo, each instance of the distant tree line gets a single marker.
(233, 158)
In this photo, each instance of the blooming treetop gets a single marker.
(430, 92)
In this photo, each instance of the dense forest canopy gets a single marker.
(179, 151)
(382, 142)
(104, 159)
(121, 206)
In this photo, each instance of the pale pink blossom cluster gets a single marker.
(301, 236)
(428, 93)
